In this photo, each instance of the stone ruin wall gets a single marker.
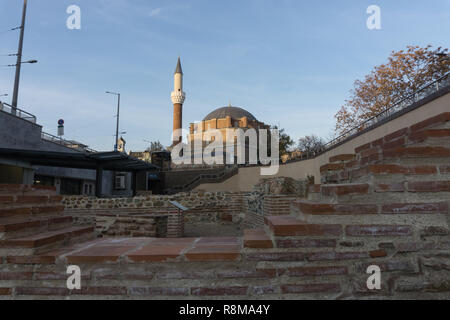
(130, 216)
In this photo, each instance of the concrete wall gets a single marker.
(17, 133)
(248, 177)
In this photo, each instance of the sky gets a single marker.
(290, 63)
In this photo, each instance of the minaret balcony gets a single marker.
(178, 97)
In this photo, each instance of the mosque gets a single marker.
(229, 118)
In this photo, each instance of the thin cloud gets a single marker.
(155, 12)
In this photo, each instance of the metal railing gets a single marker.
(69, 144)
(18, 112)
(423, 92)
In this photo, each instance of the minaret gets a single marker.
(178, 97)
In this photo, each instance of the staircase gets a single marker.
(32, 221)
(387, 204)
(402, 179)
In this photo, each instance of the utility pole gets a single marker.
(118, 115)
(19, 60)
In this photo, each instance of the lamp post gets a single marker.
(118, 115)
(19, 60)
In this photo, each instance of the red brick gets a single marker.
(396, 134)
(332, 167)
(394, 187)
(306, 243)
(31, 259)
(32, 199)
(275, 256)
(256, 238)
(342, 157)
(5, 291)
(158, 291)
(345, 189)
(323, 256)
(179, 274)
(377, 143)
(405, 208)
(369, 152)
(434, 152)
(441, 118)
(378, 230)
(16, 275)
(47, 210)
(45, 291)
(15, 211)
(314, 188)
(287, 226)
(394, 144)
(6, 199)
(311, 288)
(378, 253)
(221, 291)
(312, 271)
(262, 273)
(363, 147)
(324, 208)
(428, 186)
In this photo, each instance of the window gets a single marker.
(119, 181)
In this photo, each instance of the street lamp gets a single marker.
(19, 60)
(29, 61)
(118, 114)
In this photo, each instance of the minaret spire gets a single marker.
(178, 68)
(178, 97)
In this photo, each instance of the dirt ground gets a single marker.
(222, 229)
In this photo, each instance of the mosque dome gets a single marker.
(233, 112)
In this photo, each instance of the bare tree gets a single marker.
(311, 144)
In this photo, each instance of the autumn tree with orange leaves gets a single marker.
(405, 72)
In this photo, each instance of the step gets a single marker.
(344, 189)
(16, 189)
(44, 241)
(429, 134)
(320, 208)
(342, 158)
(257, 238)
(391, 173)
(16, 227)
(416, 152)
(23, 210)
(431, 122)
(290, 226)
(11, 201)
(392, 191)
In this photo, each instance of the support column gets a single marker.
(99, 182)
(134, 183)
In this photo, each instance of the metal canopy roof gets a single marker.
(114, 161)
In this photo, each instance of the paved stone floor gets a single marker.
(148, 250)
